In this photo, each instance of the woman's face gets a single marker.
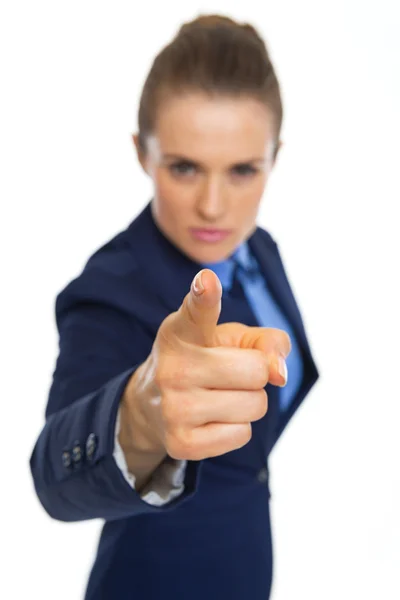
(209, 160)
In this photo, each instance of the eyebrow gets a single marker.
(190, 160)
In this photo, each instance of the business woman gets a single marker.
(182, 350)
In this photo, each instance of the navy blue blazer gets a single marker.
(213, 541)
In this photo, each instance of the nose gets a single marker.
(211, 201)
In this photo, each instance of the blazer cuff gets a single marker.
(75, 473)
(167, 481)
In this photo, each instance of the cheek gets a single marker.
(248, 200)
(172, 194)
(165, 185)
(164, 191)
(162, 184)
(170, 199)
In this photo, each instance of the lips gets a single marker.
(210, 234)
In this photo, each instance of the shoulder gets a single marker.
(109, 277)
(265, 236)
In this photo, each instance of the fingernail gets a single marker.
(282, 368)
(197, 285)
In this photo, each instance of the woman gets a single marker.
(170, 392)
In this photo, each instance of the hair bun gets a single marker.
(214, 20)
(211, 20)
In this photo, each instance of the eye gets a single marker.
(182, 168)
(244, 170)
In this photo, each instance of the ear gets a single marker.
(139, 151)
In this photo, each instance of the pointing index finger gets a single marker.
(197, 318)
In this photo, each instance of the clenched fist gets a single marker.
(202, 385)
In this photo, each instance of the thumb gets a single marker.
(196, 320)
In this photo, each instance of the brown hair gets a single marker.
(216, 55)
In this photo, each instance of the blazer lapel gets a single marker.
(267, 253)
(167, 271)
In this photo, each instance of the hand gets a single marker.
(203, 384)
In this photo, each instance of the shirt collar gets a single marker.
(225, 268)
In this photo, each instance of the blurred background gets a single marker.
(70, 78)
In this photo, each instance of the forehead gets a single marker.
(207, 128)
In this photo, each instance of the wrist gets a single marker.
(136, 435)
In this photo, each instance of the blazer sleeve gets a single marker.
(72, 464)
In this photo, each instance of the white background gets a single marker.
(71, 76)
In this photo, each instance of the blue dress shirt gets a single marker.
(244, 265)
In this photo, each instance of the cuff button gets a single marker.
(76, 453)
(66, 459)
(91, 446)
